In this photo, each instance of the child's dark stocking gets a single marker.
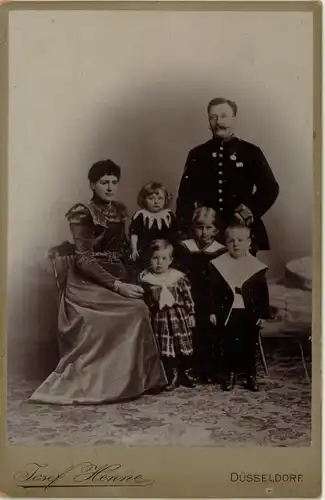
(183, 364)
(171, 373)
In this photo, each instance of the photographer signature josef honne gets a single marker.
(83, 474)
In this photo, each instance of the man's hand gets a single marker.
(213, 319)
(244, 215)
(260, 323)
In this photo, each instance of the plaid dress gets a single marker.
(170, 302)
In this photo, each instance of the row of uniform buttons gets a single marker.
(220, 172)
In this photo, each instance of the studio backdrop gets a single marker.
(133, 86)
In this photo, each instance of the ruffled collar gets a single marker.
(168, 278)
(159, 217)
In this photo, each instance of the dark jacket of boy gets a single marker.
(238, 295)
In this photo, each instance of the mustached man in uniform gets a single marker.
(228, 174)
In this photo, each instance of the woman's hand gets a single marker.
(192, 321)
(128, 290)
(213, 319)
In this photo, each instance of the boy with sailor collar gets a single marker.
(239, 301)
(194, 256)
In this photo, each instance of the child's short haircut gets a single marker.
(157, 245)
(237, 225)
(204, 212)
(150, 188)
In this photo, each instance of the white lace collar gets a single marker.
(192, 246)
(168, 278)
(160, 217)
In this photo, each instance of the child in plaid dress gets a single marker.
(168, 296)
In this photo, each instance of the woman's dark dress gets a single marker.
(108, 350)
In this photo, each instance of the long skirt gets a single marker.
(108, 351)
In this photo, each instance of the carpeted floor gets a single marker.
(279, 415)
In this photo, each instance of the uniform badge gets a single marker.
(214, 155)
(239, 164)
(233, 157)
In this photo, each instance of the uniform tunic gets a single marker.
(223, 174)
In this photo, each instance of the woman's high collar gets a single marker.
(101, 203)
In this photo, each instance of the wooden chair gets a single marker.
(279, 330)
(62, 258)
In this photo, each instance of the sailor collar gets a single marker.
(237, 271)
(192, 246)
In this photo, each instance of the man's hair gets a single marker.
(222, 100)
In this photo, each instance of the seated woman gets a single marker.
(107, 348)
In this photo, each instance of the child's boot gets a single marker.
(171, 373)
(229, 382)
(182, 378)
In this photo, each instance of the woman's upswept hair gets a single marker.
(101, 168)
(150, 188)
(222, 100)
(203, 212)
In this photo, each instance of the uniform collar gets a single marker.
(219, 140)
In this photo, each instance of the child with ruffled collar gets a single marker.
(168, 296)
(154, 220)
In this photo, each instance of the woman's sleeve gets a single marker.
(81, 226)
(187, 296)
